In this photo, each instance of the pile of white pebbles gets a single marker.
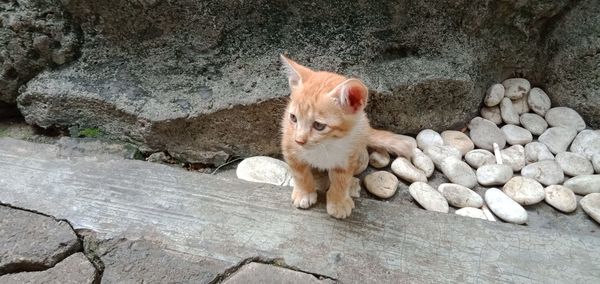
(520, 149)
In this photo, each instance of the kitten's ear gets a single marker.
(294, 71)
(351, 95)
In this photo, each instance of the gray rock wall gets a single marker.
(33, 35)
(201, 79)
(572, 75)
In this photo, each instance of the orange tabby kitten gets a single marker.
(325, 127)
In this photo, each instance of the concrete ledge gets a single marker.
(230, 220)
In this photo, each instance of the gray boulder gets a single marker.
(571, 75)
(201, 79)
(34, 35)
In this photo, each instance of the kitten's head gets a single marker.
(322, 105)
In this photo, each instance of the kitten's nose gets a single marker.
(300, 142)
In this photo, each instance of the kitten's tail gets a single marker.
(399, 145)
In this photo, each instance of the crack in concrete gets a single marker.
(26, 266)
(279, 262)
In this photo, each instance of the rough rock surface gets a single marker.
(31, 241)
(202, 79)
(34, 34)
(258, 273)
(74, 269)
(128, 261)
(571, 74)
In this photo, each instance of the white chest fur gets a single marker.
(335, 153)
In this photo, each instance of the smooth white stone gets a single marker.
(488, 213)
(584, 185)
(574, 164)
(379, 159)
(439, 153)
(516, 88)
(460, 196)
(494, 95)
(524, 190)
(516, 134)
(596, 163)
(492, 114)
(514, 156)
(561, 197)
(404, 169)
(565, 117)
(264, 170)
(504, 207)
(557, 139)
(382, 184)
(508, 112)
(458, 140)
(534, 123)
(428, 137)
(479, 157)
(423, 162)
(591, 205)
(538, 101)
(471, 212)
(546, 172)
(536, 151)
(496, 174)
(485, 133)
(587, 143)
(428, 197)
(520, 105)
(458, 172)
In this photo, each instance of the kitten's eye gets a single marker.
(293, 118)
(318, 126)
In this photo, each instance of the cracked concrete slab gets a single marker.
(75, 269)
(142, 261)
(261, 273)
(30, 242)
(232, 220)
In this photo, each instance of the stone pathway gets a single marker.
(141, 221)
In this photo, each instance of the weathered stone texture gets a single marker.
(30, 242)
(201, 79)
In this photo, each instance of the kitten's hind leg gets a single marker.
(339, 202)
(304, 194)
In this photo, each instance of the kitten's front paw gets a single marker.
(339, 206)
(303, 199)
